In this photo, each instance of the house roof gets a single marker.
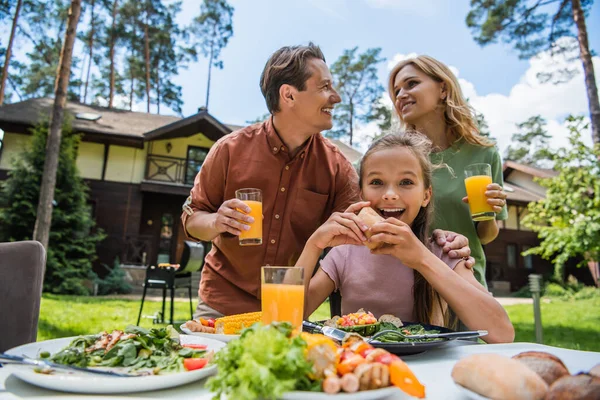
(350, 152)
(122, 126)
(519, 194)
(19, 117)
(510, 166)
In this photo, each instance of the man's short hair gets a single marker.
(287, 66)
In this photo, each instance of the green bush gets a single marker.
(587, 293)
(114, 282)
(555, 290)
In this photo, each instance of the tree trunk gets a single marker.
(210, 62)
(157, 87)
(91, 46)
(8, 52)
(147, 60)
(131, 68)
(351, 121)
(43, 221)
(588, 70)
(111, 91)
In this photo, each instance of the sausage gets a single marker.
(350, 383)
(331, 384)
(196, 326)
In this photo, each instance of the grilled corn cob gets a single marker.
(233, 324)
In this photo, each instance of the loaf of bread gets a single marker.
(498, 377)
(370, 218)
(575, 387)
(546, 365)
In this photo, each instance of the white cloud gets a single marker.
(530, 97)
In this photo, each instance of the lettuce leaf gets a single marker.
(264, 363)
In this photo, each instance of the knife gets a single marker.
(48, 364)
(333, 333)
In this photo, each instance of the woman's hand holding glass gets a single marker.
(496, 197)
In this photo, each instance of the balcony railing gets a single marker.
(170, 169)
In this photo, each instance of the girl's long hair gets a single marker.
(459, 115)
(425, 297)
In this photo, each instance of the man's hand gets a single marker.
(228, 217)
(456, 245)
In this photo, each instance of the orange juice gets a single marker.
(476, 188)
(282, 302)
(253, 236)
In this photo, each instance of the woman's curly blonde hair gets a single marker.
(459, 115)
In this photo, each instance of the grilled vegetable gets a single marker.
(233, 324)
(323, 354)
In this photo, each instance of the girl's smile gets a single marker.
(393, 183)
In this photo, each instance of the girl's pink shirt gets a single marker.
(380, 284)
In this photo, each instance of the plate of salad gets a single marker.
(276, 362)
(160, 358)
(365, 324)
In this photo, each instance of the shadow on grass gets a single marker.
(571, 337)
(87, 299)
(51, 330)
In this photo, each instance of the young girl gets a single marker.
(410, 276)
(427, 98)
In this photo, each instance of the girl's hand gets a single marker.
(496, 197)
(400, 241)
(341, 228)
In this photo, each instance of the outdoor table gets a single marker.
(432, 368)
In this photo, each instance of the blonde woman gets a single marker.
(427, 98)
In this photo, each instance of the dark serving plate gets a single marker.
(408, 348)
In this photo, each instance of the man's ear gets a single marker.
(287, 95)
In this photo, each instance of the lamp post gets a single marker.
(535, 286)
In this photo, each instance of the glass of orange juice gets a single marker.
(282, 295)
(478, 177)
(253, 198)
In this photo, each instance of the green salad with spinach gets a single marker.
(147, 351)
(264, 362)
(415, 329)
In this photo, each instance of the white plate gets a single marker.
(215, 336)
(88, 383)
(470, 394)
(363, 395)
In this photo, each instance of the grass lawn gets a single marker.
(569, 324)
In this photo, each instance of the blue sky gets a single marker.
(497, 83)
(434, 27)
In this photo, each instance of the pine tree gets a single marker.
(211, 32)
(73, 237)
(534, 26)
(355, 76)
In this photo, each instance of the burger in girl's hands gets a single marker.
(370, 218)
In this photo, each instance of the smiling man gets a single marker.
(303, 178)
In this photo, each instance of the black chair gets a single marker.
(192, 260)
(335, 304)
(22, 267)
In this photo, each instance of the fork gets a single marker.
(51, 365)
(450, 335)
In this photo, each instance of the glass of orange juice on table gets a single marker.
(253, 198)
(282, 295)
(478, 177)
